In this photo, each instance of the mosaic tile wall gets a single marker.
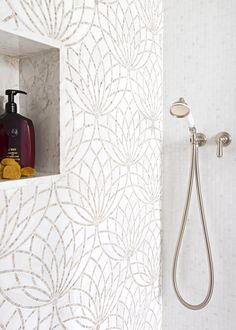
(84, 253)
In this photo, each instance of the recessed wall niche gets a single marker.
(33, 64)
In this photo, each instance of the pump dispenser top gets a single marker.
(11, 106)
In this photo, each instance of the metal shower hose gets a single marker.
(194, 170)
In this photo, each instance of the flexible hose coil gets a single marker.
(194, 170)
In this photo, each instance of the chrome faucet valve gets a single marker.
(223, 139)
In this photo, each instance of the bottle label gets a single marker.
(13, 143)
(13, 132)
(12, 153)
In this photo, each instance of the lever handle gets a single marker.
(223, 139)
(219, 149)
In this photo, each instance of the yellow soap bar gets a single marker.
(11, 172)
(1, 170)
(8, 161)
(27, 171)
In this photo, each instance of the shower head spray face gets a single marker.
(180, 109)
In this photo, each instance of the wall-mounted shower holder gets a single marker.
(223, 139)
(198, 138)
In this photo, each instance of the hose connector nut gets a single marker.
(199, 139)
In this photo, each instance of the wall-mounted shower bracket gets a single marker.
(198, 138)
(223, 139)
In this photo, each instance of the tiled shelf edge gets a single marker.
(38, 179)
(42, 178)
(32, 37)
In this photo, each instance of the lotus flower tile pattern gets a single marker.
(84, 252)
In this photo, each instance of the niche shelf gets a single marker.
(34, 64)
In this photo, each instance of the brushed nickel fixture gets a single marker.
(180, 109)
(200, 139)
(223, 139)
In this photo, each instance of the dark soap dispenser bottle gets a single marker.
(17, 137)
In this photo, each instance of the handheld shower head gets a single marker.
(180, 109)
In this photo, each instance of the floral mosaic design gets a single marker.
(84, 253)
